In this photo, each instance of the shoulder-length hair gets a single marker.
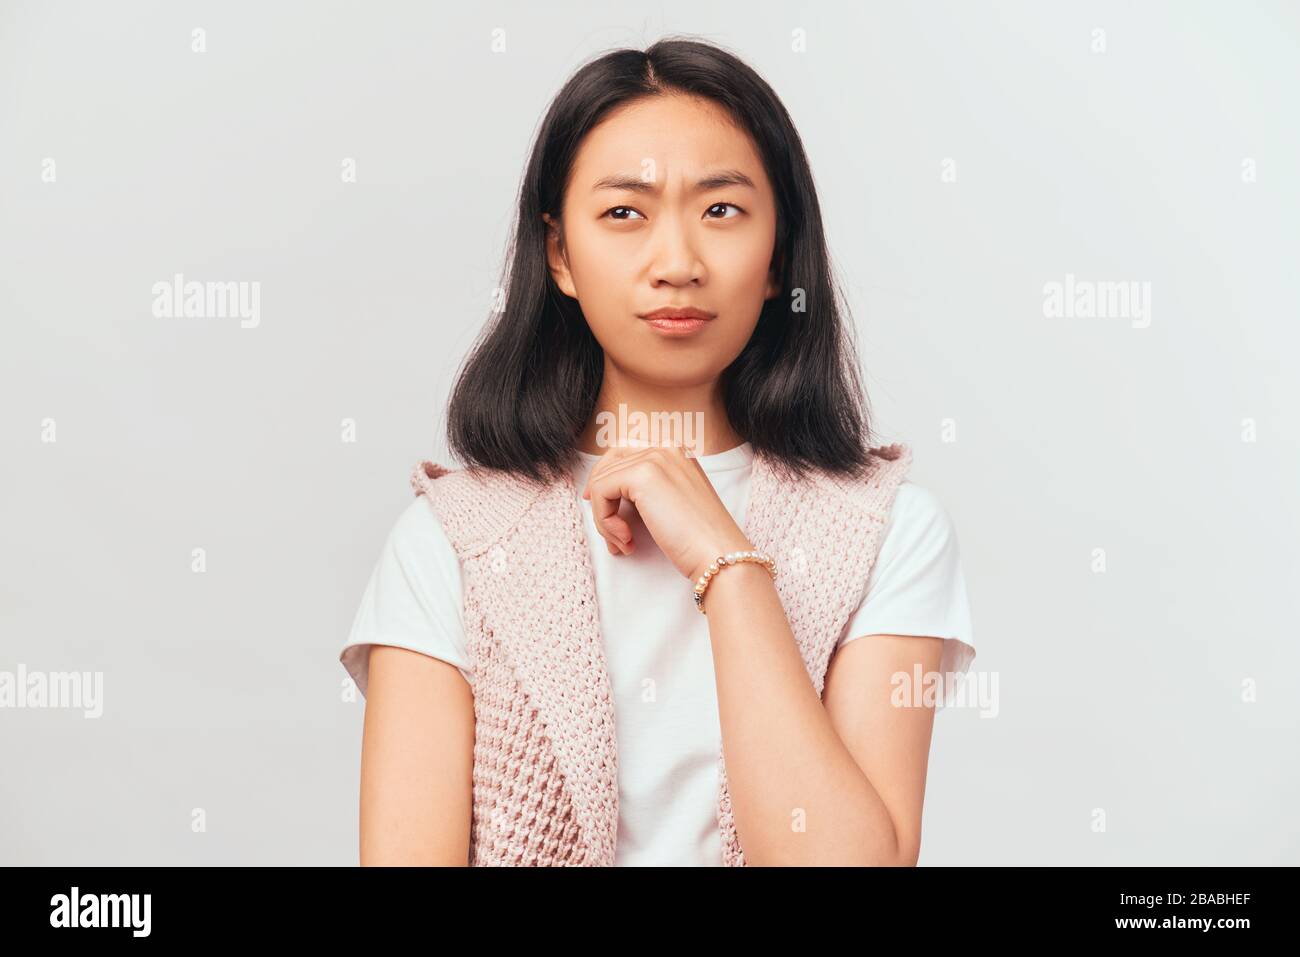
(529, 386)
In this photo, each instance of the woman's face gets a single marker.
(668, 206)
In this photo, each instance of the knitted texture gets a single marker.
(545, 758)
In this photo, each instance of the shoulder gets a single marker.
(920, 523)
(417, 547)
(476, 507)
(918, 505)
(875, 488)
(417, 526)
(916, 585)
(829, 499)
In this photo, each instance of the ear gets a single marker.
(774, 278)
(556, 259)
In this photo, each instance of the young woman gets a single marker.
(541, 685)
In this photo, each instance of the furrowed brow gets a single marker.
(723, 178)
(718, 180)
(624, 182)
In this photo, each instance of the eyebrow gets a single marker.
(716, 180)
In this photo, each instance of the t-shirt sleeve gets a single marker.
(917, 586)
(413, 598)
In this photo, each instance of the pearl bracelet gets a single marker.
(721, 562)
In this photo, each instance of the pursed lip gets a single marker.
(677, 312)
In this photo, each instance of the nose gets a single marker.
(675, 260)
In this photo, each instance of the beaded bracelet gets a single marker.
(721, 562)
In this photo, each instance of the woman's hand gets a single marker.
(676, 502)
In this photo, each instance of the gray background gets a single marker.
(1120, 691)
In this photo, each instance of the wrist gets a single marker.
(709, 560)
(728, 565)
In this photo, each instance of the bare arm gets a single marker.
(889, 742)
(417, 760)
(849, 767)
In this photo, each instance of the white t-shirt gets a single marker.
(657, 649)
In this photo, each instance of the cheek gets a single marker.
(602, 277)
(741, 277)
(747, 268)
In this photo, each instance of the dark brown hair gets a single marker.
(529, 386)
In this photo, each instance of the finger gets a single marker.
(618, 460)
(607, 486)
(606, 497)
(618, 527)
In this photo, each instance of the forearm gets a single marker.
(798, 795)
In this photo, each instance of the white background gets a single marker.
(1120, 691)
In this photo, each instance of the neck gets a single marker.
(629, 411)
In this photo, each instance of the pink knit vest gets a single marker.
(545, 763)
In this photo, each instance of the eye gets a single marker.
(622, 209)
(722, 206)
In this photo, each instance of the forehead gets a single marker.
(681, 134)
